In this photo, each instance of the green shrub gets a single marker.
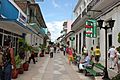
(17, 61)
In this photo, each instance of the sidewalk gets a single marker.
(111, 72)
(56, 68)
(35, 71)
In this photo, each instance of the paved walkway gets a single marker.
(56, 68)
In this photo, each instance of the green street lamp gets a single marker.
(72, 39)
(111, 25)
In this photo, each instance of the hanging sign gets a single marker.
(91, 28)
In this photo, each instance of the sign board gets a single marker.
(91, 28)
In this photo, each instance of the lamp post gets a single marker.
(111, 24)
(72, 39)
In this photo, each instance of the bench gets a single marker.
(91, 71)
(99, 66)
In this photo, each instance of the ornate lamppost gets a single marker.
(111, 25)
(72, 39)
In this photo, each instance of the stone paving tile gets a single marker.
(56, 68)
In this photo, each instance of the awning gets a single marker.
(13, 26)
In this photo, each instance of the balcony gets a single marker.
(76, 20)
(99, 7)
(91, 4)
(35, 15)
(84, 13)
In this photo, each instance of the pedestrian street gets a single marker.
(56, 68)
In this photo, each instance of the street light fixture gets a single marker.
(111, 25)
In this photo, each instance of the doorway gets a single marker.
(79, 43)
(110, 40)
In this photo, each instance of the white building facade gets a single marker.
(98, 10)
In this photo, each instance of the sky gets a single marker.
(55, 12)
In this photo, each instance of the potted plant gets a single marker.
(42, 47)
(19, 64)
(46, 50)
(16, 71)
(42, 53)
(23, 49)
(26, 49)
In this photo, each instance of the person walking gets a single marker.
(112, 55)
(92, 53)
(32, 57)
(97, 54)
(51, 51)
(64, 50)
(54, 48)
(70, 55)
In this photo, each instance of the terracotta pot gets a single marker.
(14, 74)
(25, 66)
(20, 70)
(46, 52)
(41, 55)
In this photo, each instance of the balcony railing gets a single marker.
(89, 7)
(91, 4)
(84, 12)
(76, 20)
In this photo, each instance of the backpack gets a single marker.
(6, 56)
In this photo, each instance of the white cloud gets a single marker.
(55, 4)
(55, 28)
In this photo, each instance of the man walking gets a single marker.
(112, 55)
(51, 51)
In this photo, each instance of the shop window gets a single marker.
(110, 40)
(76, 43)
(1, 36)
(13, 42)
(7, 32)
(1, 30)
(5, 37)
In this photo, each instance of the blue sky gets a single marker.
(55, 12)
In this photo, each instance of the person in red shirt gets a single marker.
(70, 55)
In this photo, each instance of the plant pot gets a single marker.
(14, 73)
(46, 52)
(20, 70)
(41, 55)
(25, 66)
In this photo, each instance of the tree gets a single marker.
(119, 37)
(118, 48)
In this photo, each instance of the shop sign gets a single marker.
(91, 28)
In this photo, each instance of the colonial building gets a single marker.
(98, 10)
(67, 34)
(22, 19)
(35, 21)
